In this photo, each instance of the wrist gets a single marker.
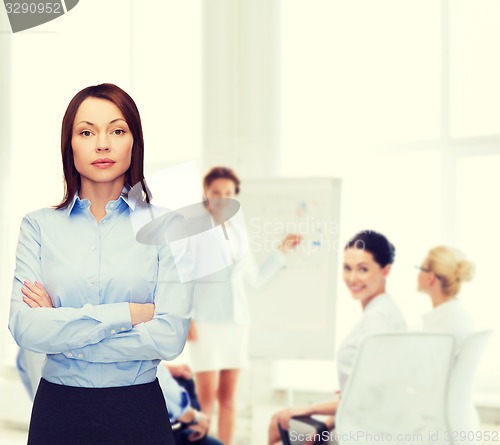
(309, 411)
(195, 418)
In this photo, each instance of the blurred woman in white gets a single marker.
(368, 259)
(218, 338)
(441, 276)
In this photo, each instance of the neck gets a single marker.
(216, 216)
(99, 194)
(367, 300)
(437, 297)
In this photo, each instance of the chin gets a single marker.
(360, 296)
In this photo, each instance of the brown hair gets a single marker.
(221, 173)
(451, 267)
(127, 106)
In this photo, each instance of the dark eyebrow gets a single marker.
(118, 119)
(93, 125)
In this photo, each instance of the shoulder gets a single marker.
(45, 213)
(383, 314)
(449, 317)
(44, 217)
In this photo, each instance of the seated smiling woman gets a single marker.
(368, 257)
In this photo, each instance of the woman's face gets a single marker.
(364, 277)
(102, 142)
(423, 277)
(217, 191)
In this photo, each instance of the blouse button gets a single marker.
(70, 355)
(122, 329)
(80, 355)
(113, 331)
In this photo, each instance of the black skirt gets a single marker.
(126, 415)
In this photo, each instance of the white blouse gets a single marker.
(449, 318)
(221, 296)
(381, 314)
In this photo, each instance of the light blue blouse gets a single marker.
(30, 364)
(92, 270)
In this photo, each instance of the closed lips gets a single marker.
(103, 161)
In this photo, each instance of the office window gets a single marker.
(362, 98)
(356, 74)
(475, 90)
(167, 77)
(478, 221)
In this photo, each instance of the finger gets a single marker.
(37, 294)
(39, 289)
(34, 296)
(35, 289)
(30, 302)
(28, 293)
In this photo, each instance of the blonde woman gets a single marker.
(441, 276)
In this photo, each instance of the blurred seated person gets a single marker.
(368, 258)
(442, 273)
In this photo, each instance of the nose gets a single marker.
(350, 277)
(102, 143)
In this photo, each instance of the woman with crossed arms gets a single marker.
(103, 307)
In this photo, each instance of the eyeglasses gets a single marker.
(427, 270)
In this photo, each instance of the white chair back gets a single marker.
(397, 392)
(463, 417)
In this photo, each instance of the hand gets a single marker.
(141, 312)
(200, 429)
(34, 295)
(283, 417)
(330, 422)
(291, 241)
(183, 371)
(192, 334)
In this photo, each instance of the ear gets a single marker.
(432, 278)
(386, 269)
